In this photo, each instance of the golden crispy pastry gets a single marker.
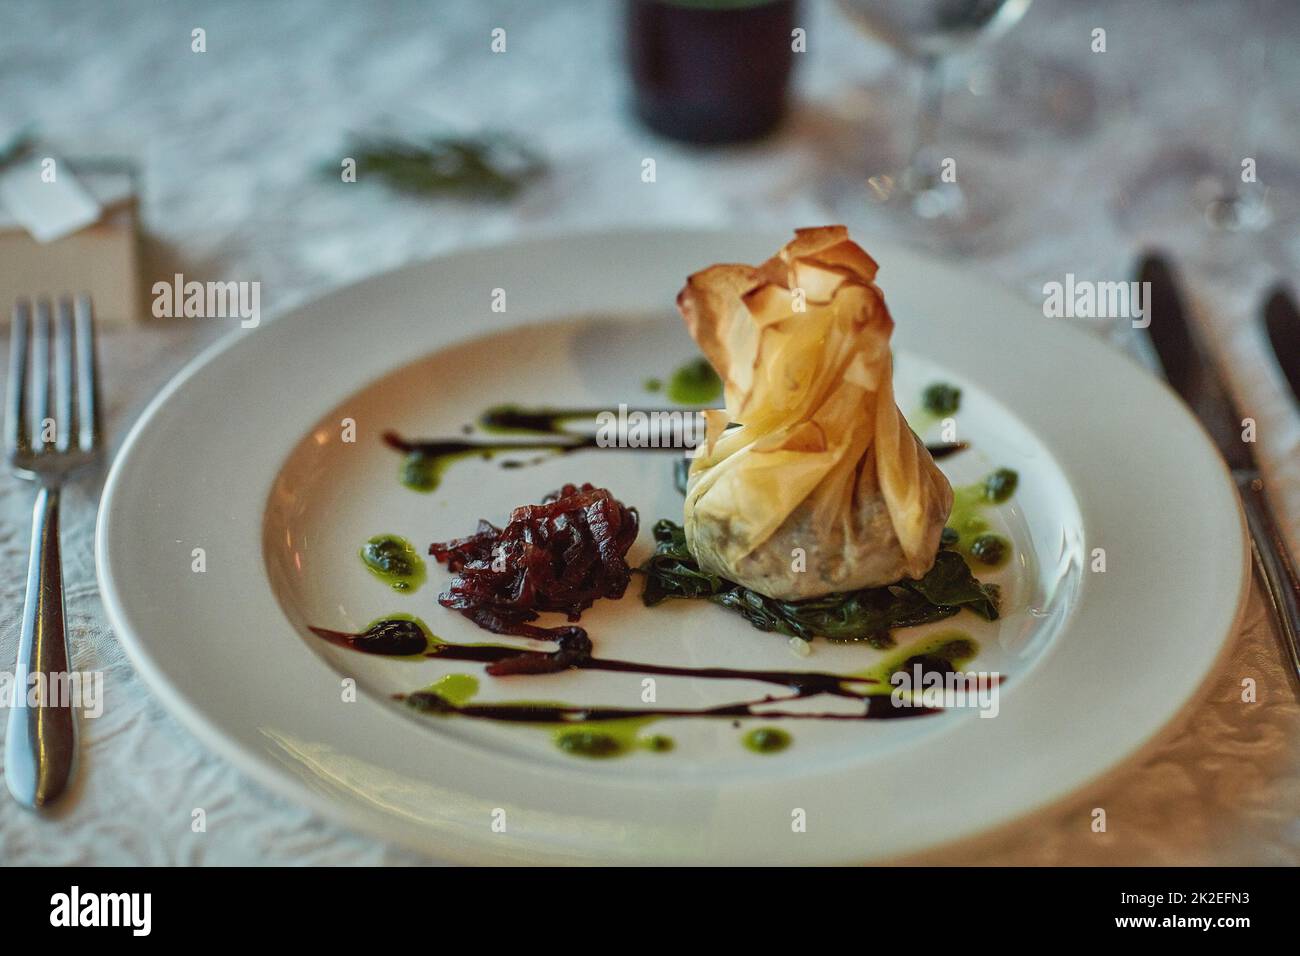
(822, 486)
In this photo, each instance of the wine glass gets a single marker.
(1220, 177)
(928, 32)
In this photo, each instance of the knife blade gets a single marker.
(1193, 376)
(1186, 363)
(1282, 321)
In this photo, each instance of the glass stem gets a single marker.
(921, 173)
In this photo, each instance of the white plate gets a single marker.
(242, 456)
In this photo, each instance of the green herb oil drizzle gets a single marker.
(944, 652)
(695, 383)
(394, 560)
(767, 740)
(968, 526)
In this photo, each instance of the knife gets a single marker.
(1192, 375)
(1282, 321)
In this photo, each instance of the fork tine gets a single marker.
(16, 399)
(88, 404)
(64, 380)
(40, 371)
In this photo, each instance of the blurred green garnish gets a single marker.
(1000, 485)
(488, 166)
(695, 383)
(941, 399)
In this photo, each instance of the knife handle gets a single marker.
(1274, 563)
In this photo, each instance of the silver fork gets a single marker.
(41, 738)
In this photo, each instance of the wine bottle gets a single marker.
(710, 71)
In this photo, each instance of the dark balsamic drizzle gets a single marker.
(876, 708)
(805, 683)
(394, 637)
(945, 448)
(400, 637)
(549, 421)
(446, 447)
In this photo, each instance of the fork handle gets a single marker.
(41, 738)
(1271, 557)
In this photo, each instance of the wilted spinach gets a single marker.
(868, 614)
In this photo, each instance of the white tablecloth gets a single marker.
(230, 142)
